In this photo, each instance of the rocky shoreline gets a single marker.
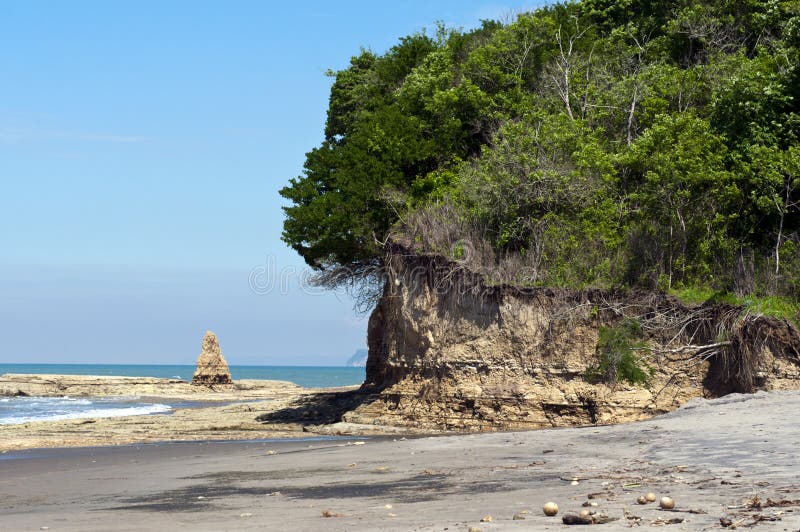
(228, 411)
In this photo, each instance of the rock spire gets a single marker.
(212, 368)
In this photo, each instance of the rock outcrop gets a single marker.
(447, 351)
(212, 368)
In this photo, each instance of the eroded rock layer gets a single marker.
(446, 351)
(212, 368)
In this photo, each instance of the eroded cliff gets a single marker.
(446, 351)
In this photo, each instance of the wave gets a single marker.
(138, 410)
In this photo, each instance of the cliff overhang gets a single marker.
(449, 351)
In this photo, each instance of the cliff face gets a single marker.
(448, 352)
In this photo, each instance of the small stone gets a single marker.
(667, 503)
(651, 497)
(572, 519)
(574, 483)
(585, 513)
(271, 452)
(387, 506)
(518, 517)
(642, 499)
(486, 519)
(550, 509)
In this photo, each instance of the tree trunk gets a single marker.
(744, 273)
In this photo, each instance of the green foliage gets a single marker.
(617, 357)
(624, 143)
(780, 307)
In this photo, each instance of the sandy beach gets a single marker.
(733, 458)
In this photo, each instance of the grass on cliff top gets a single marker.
(776, 306)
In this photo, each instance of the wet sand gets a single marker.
(735, 457)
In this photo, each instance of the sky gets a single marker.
(142, 147)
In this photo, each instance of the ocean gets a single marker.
(15, 410)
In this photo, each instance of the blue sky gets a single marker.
(142, 145)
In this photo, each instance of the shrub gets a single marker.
(617, 358)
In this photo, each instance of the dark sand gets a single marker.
(713, 457)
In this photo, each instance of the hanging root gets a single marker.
(733, 341)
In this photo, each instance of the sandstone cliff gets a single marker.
(446, 351)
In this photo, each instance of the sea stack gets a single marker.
(212, 368)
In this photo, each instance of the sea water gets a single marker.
(16, 410)
(306, 376)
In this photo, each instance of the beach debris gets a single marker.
(212, 368)
(667, 503)
(589, 503)
(390, 514)
(245, 515)
(572, 519)
(650, 497)
(271, 452)
(474, 529)
(672, 521)
(574, 483)
(486, 519)
(518, 517)
(274, 493)
(331, 513)
(387, 506)
(587, 519)
(550, 509)
(781, 503)
(754, 520)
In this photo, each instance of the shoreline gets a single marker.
(733, 457)
(227, 412)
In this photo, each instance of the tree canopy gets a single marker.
(605, 143)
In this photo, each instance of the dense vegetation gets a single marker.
(596, 143)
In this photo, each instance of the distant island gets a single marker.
(358, 360)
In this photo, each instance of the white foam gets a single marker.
(155, 408)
